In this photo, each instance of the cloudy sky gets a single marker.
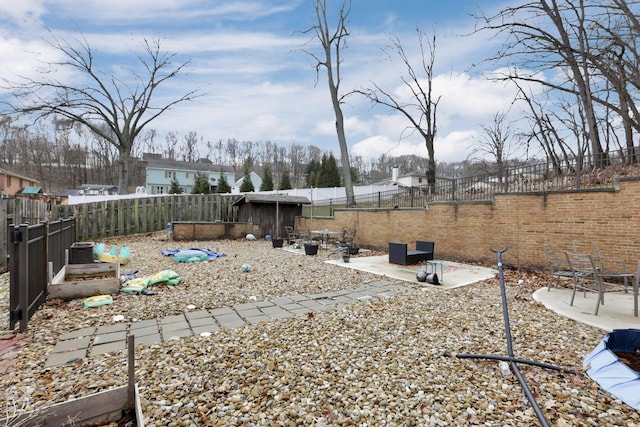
(247, 58)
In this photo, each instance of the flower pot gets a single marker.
(277, 243)
(346, 257)
(310, 249)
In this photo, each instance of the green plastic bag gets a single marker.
(168, 277)
(98, 300)
(135, 285)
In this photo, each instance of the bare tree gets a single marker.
(103, 156)
(296, 164)
(12, 136)
(617, 58)
(421, 108)
(495, 143)
(592, 44)
(171, 138)
(190, 152)
(126, 108)
(333, 42)
(149, 144)
(75, 158)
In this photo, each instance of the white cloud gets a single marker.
(141, 11)
(23, 12)
(259, 84)
(454, 146)
(473, 98)
(379, 145)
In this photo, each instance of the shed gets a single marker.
(31, 190)
(260, 209)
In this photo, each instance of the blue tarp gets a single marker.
(609, 372)
(210, 254)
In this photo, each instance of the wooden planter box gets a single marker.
(103, 408)
(97, 409)
(85, 280)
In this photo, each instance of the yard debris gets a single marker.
(139, 285)
(168, 277)
(121, 255)
(191, 254)
(97, 301)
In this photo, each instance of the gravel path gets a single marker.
(384, 362)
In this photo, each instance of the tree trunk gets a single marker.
(124, 161)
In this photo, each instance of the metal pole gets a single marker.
(512, 360)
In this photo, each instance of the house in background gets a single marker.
(160, 172)
(256, 180)
(410, 179)
(98, 190)
(11, 183)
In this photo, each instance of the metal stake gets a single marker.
(513, 361)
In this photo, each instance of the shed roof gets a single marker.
(98, 187)
(272, 198)
(165, 164)
(30, 190)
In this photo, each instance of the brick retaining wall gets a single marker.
(465, 231)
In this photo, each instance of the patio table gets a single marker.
(324, 235)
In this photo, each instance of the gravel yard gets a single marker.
(383, 362)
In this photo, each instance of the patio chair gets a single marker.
(348, 236)
(291, 235)
(612, 273)
(303, 234)
(582, 274)
(603, 285)
(557, 269)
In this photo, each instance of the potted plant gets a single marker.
(311, 247)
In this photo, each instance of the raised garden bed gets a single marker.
(85, 280)
(117, 406)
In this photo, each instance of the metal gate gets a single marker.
(32, 248)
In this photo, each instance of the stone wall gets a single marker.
(465, 231)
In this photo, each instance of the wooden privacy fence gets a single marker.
(122, 217)
(33, 248)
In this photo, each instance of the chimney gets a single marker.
(394, 175)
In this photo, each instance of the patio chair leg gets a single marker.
(575, 287)
(598, 302)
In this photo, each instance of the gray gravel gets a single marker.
(383, 362)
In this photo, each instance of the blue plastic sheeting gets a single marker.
(609, 372)
(210, 254)
(190, 255)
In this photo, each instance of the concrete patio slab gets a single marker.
(454, 274)
(616, 313)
